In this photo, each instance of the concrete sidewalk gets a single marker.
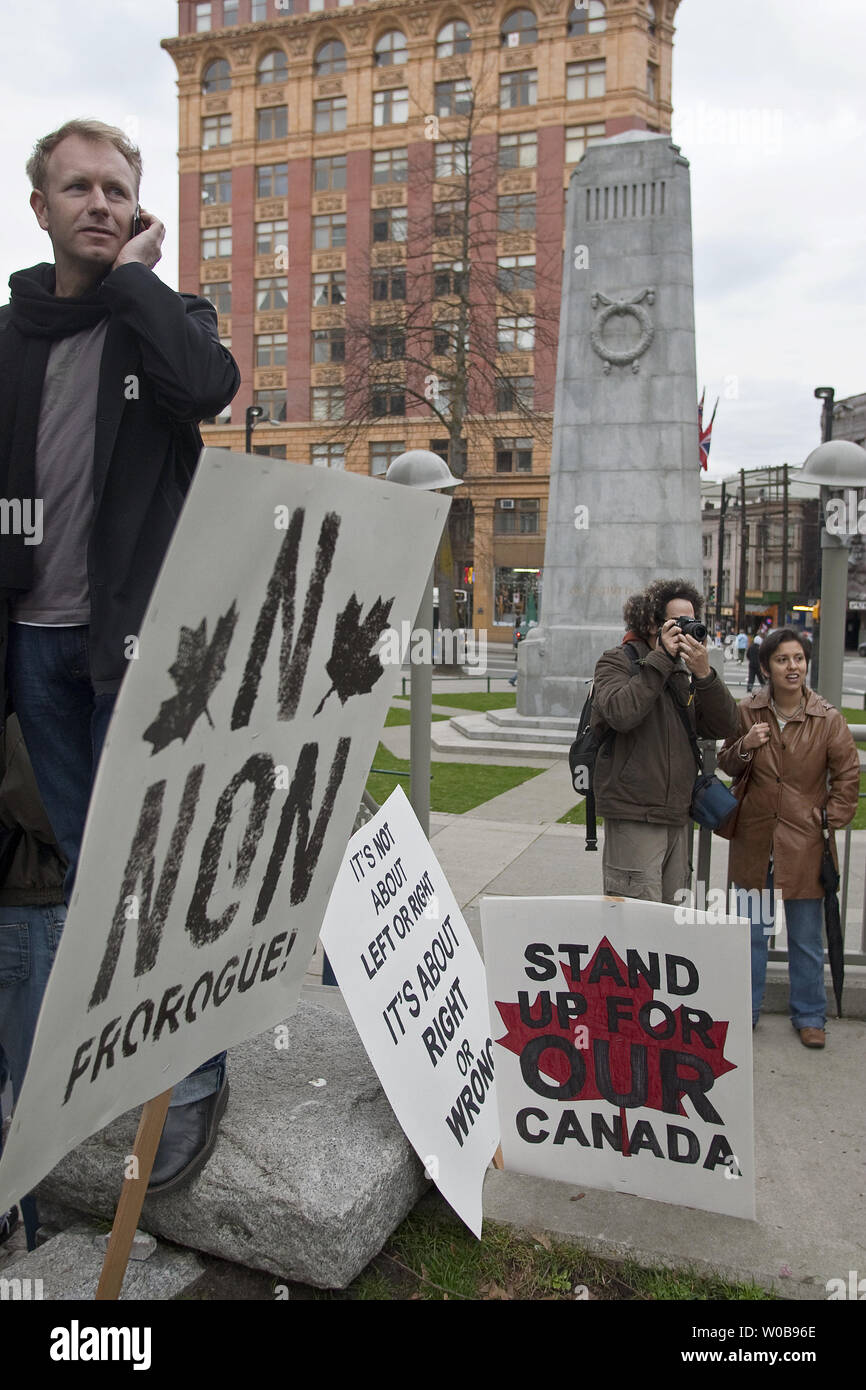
(809, 1115)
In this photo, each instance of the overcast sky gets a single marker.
(768, 108)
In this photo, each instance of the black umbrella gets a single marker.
(832, 917)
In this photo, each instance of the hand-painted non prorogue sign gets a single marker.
(413, 981)
(624, 1048)
(230, 779)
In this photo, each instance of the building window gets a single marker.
(271, 294)
(584, 80)
(515, 333)
(272, 122)
(331, 57)
(388, 343)
(514, 393)
(328, 455)
(652, 74)
(219, 292)
(587, 19)
(230, 13)
(271, 237)
(453, 38)
(453, 98)
(452, 157)
(273, 67)
(446, 336)
(216, 77)
(389, 224)
(273, 403)
(383, 452)
(652, 18)
(329, 344)
(518, 88)
(202, 18)
(520, 520)
(513, 455)
(389, 282)
(517, 212)
(387, 400)
(457, 457)
(391, 107)
(329, 173)
(329, 287)
(272, 180)
(449, 218)
(391, 166)
(578, 138)
(216, 130)
(329, 230)
(326, 403)
(270, 451)
(329, 114)
(260, 11)
(215, 243)
(216, 187)
(518, 151)
(519, 29)
(271, 349)
(449, 277)
(516, 273)
(708, 545)
(390, 49)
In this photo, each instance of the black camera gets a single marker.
(692, 628)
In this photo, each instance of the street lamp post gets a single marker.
(253, 413)
(422, 469)
(838, 463)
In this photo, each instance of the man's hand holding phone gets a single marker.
(144, 245)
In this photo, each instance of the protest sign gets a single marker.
(230, 779)
(624, 1048)
(413, 981)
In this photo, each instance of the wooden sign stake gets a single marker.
(132, 1196)
(498, 1160)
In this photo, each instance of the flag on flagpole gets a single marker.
(704, 435)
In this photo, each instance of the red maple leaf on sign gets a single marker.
(627, 1031)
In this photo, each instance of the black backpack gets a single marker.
(582, 755)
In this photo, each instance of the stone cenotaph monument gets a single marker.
(624, 480)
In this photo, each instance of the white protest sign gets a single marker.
(413, 981)
(231, 776)
(624, 1048)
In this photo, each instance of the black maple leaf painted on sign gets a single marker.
(352, 667)
(196, 673)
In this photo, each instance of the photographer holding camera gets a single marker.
(644, 690)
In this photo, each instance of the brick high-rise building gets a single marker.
(307, 151)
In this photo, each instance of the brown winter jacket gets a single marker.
(647, 770)
(786, 788)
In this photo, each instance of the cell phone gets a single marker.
(136, 220)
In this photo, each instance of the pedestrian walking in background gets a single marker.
(753, 656)
(742, 644)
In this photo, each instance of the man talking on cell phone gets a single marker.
(104, 375)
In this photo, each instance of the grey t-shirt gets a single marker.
(64, 482)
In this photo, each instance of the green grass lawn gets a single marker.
(477, 700)
(403, 716)
(432, 1257)
(455, 787)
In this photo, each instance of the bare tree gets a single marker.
(448, 323)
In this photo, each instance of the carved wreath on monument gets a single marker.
(622, 308)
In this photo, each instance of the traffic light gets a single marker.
(711, 596)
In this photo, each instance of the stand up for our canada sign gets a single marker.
(231, 777)
(413, 980)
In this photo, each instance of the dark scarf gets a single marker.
(37, 318)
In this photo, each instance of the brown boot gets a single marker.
(812, 1037)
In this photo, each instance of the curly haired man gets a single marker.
(645, 768)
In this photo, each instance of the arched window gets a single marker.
(331, 57)
(652, 18)
(519, 29)
(583, 19)
(391, 49)
(273, 67)
(453, 38)
(216, 77)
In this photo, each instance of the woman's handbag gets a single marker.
(712, 804)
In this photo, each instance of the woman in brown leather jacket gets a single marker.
(797, 754)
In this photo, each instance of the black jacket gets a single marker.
(163, 369)
(33, 868)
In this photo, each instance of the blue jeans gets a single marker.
(804, 919)
(29, 937)
(64, 723)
